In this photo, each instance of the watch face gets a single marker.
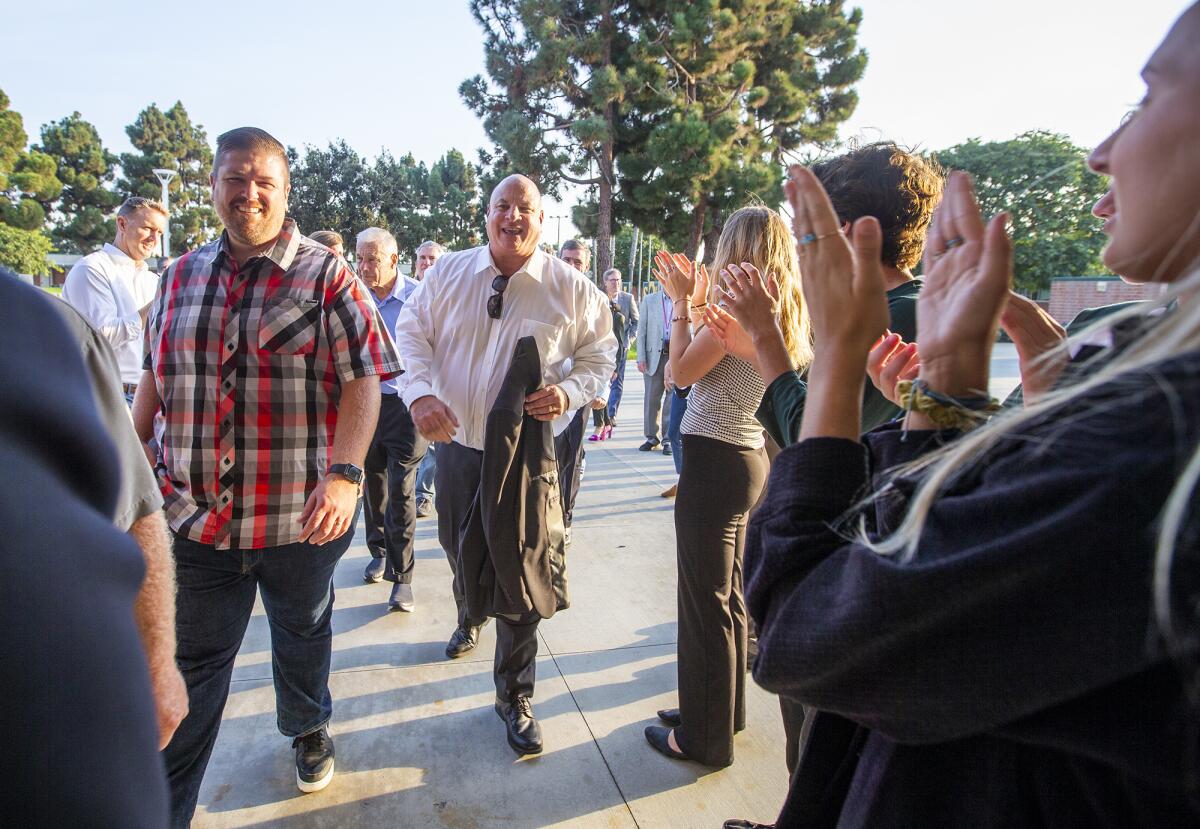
(352, 473)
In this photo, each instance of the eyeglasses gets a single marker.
(495, 303)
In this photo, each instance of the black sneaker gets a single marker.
(667, 449)
(314, 760)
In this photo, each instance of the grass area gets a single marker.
(52, 290)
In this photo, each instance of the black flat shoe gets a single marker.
(671, 717)
(657, 736)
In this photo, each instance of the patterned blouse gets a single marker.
(722, 404)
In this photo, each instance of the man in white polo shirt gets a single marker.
(113, 288)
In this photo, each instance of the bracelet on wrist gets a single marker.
(680, 319)
(944, 411)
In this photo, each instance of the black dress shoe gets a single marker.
(739, 823)
(667, 449)
(524, 733)
(671, 717)
(648, 445)
(463, 640)
(657, 736)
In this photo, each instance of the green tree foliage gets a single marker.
(686, 107)
(1042, 180)
(330, 191)
(24, 251)
(452, 196)
(721, 92)
(26, 177)
(337, 189)
(86, 169)
(550, 100)
(170, 140)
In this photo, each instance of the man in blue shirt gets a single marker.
(389, 491)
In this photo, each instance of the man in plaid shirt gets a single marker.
(265, 354)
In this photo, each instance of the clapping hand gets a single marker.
(729, 333)
(1040, 342)
(752, 300)
(842, 278)
(680, 277)
(968, 270)
(889, 362)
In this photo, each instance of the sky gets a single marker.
(939, 71)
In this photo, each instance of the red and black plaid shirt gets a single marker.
(249, 363)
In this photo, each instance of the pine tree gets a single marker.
(26, 179)
(170, 140)
(725, 90)
(81, 214)
(551, 97)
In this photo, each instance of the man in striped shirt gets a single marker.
(264, 355)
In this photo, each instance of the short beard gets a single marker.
(251, 233)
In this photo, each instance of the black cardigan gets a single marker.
(1010, 674)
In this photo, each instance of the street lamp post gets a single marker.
(164, 178)
(558, 245)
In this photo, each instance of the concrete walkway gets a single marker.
(418, 743)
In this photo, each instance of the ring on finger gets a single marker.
(809, 238)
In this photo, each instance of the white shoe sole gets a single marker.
(316, 785)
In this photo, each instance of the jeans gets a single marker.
(616, 387)
(426, 473)
(213, 607)
(678, 409)
(389, 502)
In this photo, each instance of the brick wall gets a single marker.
(1070, 295)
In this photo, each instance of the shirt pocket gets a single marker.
(551, 345)
(289, 326)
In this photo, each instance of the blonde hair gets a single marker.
(758, 235)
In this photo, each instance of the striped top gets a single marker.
(722, 404)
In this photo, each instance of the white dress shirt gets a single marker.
(451, 348)
(108, 288)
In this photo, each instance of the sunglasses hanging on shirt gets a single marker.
(495, 303)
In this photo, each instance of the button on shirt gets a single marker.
(249, 362)
(108, 288)
(452, 349)
(389, 309)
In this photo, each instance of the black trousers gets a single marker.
(718, 484)
(389, 488)
(459, 471)
(568, 448)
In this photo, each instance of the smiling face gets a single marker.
(138, 234)
(514, 221)
(1153, 204)
(250, 191)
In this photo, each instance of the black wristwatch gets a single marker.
(349, 471)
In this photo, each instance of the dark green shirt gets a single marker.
(782, 406)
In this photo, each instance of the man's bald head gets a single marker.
(514, 222)
(517, 184)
